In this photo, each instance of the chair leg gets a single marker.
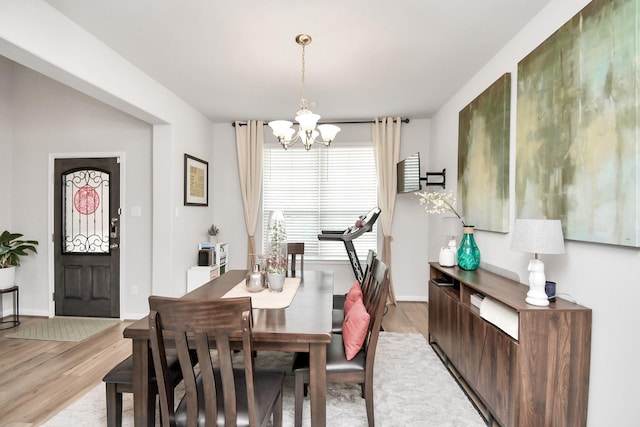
(114, 406)
(298, 397)
(151, 404)
(277, 412)
(368, 398)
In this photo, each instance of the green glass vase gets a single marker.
(468, 252)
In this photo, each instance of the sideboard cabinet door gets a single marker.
(443, 320)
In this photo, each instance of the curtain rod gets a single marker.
(336, 122)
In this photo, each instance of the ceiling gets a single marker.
(238, 60)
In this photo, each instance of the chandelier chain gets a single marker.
(303, 101)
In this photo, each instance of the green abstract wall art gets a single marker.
(577, 126)
(483, 158)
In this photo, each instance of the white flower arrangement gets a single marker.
(277, 238)
(436, 203)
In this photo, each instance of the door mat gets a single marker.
(73, 329)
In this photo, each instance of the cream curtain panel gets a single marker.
(386, 144)
(250, 146)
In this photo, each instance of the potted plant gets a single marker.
(11, 249)
(213, 233)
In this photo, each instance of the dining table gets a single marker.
(304, 325)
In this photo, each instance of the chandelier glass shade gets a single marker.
(307, 131)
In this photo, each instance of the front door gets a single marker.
(86, 237)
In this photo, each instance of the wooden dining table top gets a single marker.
(306, 320)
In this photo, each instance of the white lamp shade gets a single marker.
(538, 236)
(281, 128)
(328, 132)
(307, 120)
(288, 134)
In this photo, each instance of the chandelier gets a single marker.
(306, 132)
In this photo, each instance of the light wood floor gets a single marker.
(40, 378)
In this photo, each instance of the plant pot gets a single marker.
(7, 277)
(276, 281)
(213, 239)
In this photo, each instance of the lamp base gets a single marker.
(536, 300)
(537, 280)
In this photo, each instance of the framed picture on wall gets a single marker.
(577, 126)
(196, 179)
(483, 158)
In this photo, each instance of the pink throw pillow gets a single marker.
(353, 295)
(354, 328)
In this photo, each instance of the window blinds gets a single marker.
(320, 189)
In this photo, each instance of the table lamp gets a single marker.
(537, 236)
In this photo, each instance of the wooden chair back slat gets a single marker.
(189, 325)
(375, 307)
(293, 250)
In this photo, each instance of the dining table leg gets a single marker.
(141, 368)
(318, 383)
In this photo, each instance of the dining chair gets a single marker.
(337, 315)
(216, 392)
(294, 249)
(341, 368)
(119, 380)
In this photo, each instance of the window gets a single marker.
(321, 189)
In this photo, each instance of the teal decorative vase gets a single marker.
(468, 252)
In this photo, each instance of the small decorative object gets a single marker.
(468, 252)
(255, 280)
(447, 257)
(11, 249)
(537, 236)
(213, 233)
(262, 261)
(276, 281)
(277, 251)
(435, 203)
(550, 290)
(452, 228)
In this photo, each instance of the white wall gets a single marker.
(6, 138)
(69, 122)
(6, 150)
(601, 277)
(34, 34)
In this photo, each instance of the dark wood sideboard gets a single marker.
(539, 379)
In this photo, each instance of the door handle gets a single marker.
(114, 246)
(113, 231)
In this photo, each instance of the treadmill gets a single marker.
(347, 236)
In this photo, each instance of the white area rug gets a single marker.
(412, 388)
